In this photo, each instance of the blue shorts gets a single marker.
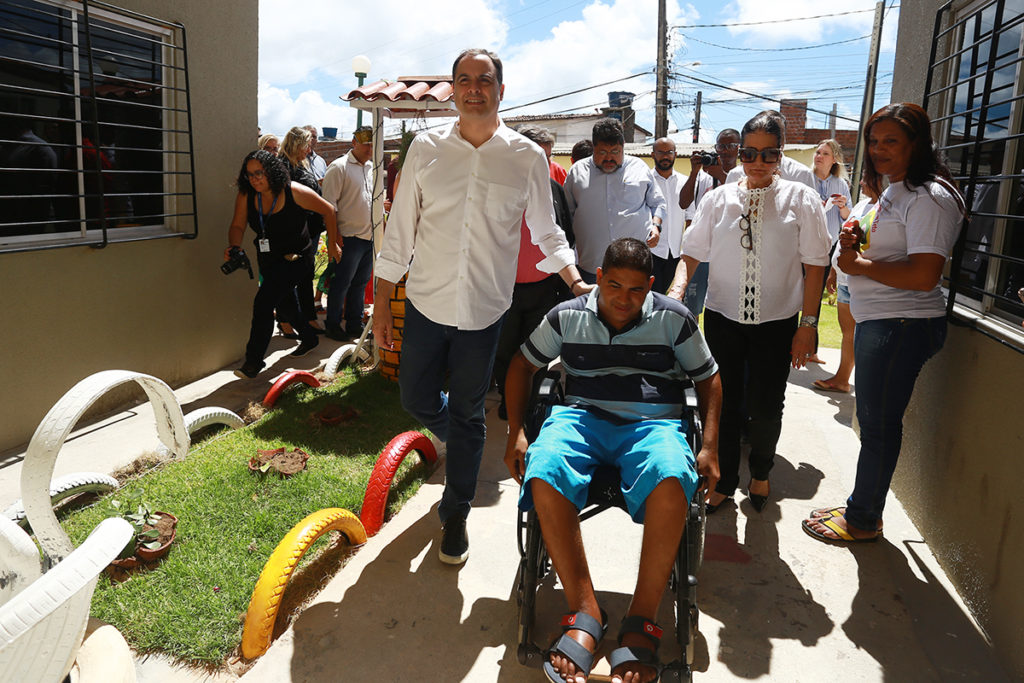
(843, 294)
(574, 441)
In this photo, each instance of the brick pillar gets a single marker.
(795, 112)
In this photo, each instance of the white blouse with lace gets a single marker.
(757, 277)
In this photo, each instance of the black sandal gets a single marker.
(626, 655)
(571, 649)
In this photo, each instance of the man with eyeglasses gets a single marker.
(789, 169)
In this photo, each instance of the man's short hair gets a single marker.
(628, 252)
(542, 136)
(473, 52)
(608, 131)
(729, 132)
(582, 150)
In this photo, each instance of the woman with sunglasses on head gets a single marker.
(895, 268)
(758, 236)
(275, 208)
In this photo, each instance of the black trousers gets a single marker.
(280, 280)
(664, 271)
(753, 362)
(530, 302)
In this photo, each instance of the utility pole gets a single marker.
(661, 94)
(869, 99)
(832, 122)
(696, 119)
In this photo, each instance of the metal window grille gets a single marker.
(974, 80)
(95, 126)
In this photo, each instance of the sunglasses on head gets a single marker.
(363, 136)
(769, 155)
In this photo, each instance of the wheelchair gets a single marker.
(604, 493)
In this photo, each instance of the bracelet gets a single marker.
(809, 321)
(575, 282)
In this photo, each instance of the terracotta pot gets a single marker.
(148, 556)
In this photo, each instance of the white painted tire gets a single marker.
(65, 487)
(212, 415)
(19, 560)
(41, 627)
(41, 456)
(347, 353)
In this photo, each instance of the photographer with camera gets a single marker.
(274, 207)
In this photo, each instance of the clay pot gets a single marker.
(148, 556)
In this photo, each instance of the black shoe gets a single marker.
(318, 330)
(336, 333)
(286, 335)
(758, 501)
(454, 541)
(305, 347)
(710, 509)
(249, 370)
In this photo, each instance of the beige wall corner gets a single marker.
(161, 307)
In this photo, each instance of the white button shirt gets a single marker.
(455, 222)
(671, 241)
(348, 185)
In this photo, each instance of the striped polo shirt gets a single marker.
(632, 374)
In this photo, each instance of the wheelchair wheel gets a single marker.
(533, 566)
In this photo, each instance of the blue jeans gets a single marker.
(889, 354)
(697, 289)
(348, 284)
(429, 351)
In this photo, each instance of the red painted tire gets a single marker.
(280, 385)
(376, 499)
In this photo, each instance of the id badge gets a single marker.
(264, 245)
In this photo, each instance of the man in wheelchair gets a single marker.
(626, 352)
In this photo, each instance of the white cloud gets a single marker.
(279, 110)
(805, 31)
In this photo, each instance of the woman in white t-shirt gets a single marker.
(895, 269)
(759, 237)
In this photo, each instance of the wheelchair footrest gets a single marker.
(530, 655)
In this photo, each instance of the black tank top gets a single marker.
(286, 229)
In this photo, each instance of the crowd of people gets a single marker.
(511, 262)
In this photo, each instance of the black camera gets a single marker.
(707, 158)
(236, 259)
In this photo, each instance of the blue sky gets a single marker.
(552, 47)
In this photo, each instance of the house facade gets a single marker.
(962, 464)
(122, 131)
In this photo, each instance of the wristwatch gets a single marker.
(809, 321)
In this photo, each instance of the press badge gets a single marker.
(264, 245)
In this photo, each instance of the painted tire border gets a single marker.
(270, 587)
(212, 415)
(379, 486)
(343, 354)
(53, 430)
(64, 487)
(284, 382)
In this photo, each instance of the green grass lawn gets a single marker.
(192, 604)
(829, 334)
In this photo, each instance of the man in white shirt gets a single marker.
(454, 226)
(348, 184)
(611, 196)
(789, 169)
(669, 182)
(317, 164)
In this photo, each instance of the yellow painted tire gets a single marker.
(266, 597)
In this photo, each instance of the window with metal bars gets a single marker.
(95, 128)
(975, 81)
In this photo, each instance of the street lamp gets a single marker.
(361, 66)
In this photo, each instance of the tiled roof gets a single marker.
(415, 88)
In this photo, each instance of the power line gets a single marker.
(574, 92)
(773, 49)
(776, 21)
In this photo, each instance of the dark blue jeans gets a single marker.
(429, 351)
(889, 354)
(348, 284)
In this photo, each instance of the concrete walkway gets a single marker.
(776, 605)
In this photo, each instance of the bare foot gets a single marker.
(759, 487)
(635, 672)
(831, 384)
(817, 524)
(813, 358)
(716, 498)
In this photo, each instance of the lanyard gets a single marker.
(259, 203)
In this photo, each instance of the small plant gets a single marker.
(139, 514)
